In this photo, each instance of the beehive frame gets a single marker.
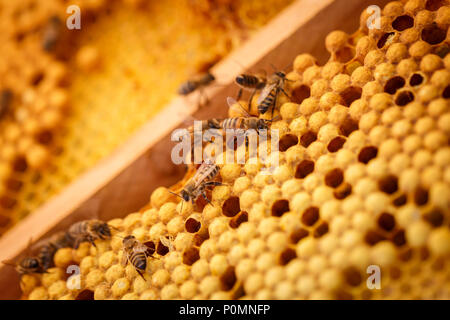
(107, 189)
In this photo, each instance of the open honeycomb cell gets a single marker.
(67, 103)
(366, 186)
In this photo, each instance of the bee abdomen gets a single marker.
(247, 80)
(46, 255)
(233, 123)
(139, 260)
(267, 102)
(214, 172)
(207, 78)
(187, 87)
(79, 228)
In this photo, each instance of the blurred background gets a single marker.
(68, 98)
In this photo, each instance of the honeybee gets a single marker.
(87, 230)
(250, 82)
(197, 83)
(248, 122)
(27, 265)
(205, 125)
(269, 95)
(202, 179)
(49, 247)
(136, 253)
(52, 33)
(5, 101)
(244, 123)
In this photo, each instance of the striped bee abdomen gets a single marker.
(78, 228)
(48, 250)
(187, 87)
(233, 123)
(208, 172)
(46, 255)
(268, 101)
(139, 260)
(247, 80)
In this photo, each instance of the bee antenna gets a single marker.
(273, 67)
(182, 200)
(231, 102)
(274, 118)
(9, 263)
(175, 194)
(182, 203)
(114, 228)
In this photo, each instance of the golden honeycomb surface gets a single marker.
(74, 105)
(363, 180)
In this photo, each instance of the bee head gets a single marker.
(280, 74)
(185, 195)
(263, 124)
(33, 263)
(102, 229)
(128, 241)
(29, 264)
(240, 79)
(210, 77)
(214, 124)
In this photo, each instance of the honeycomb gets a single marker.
(73, 105)
(363, 181)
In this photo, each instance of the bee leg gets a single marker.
(214, 183)
(250, 100)
(141, 274)
(285, 93)
(76, 244)
(206, 98)
(91, 240)
(202, 94)
(239, 95)
(199, 99)
(151, 255)
(274, 103)
(206, 198)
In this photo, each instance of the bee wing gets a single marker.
(140, 247)
(55, 238)
(232, 103)
(198, 180)
(265, 92)
(167, 242)
(203, 171)
(124, 260)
